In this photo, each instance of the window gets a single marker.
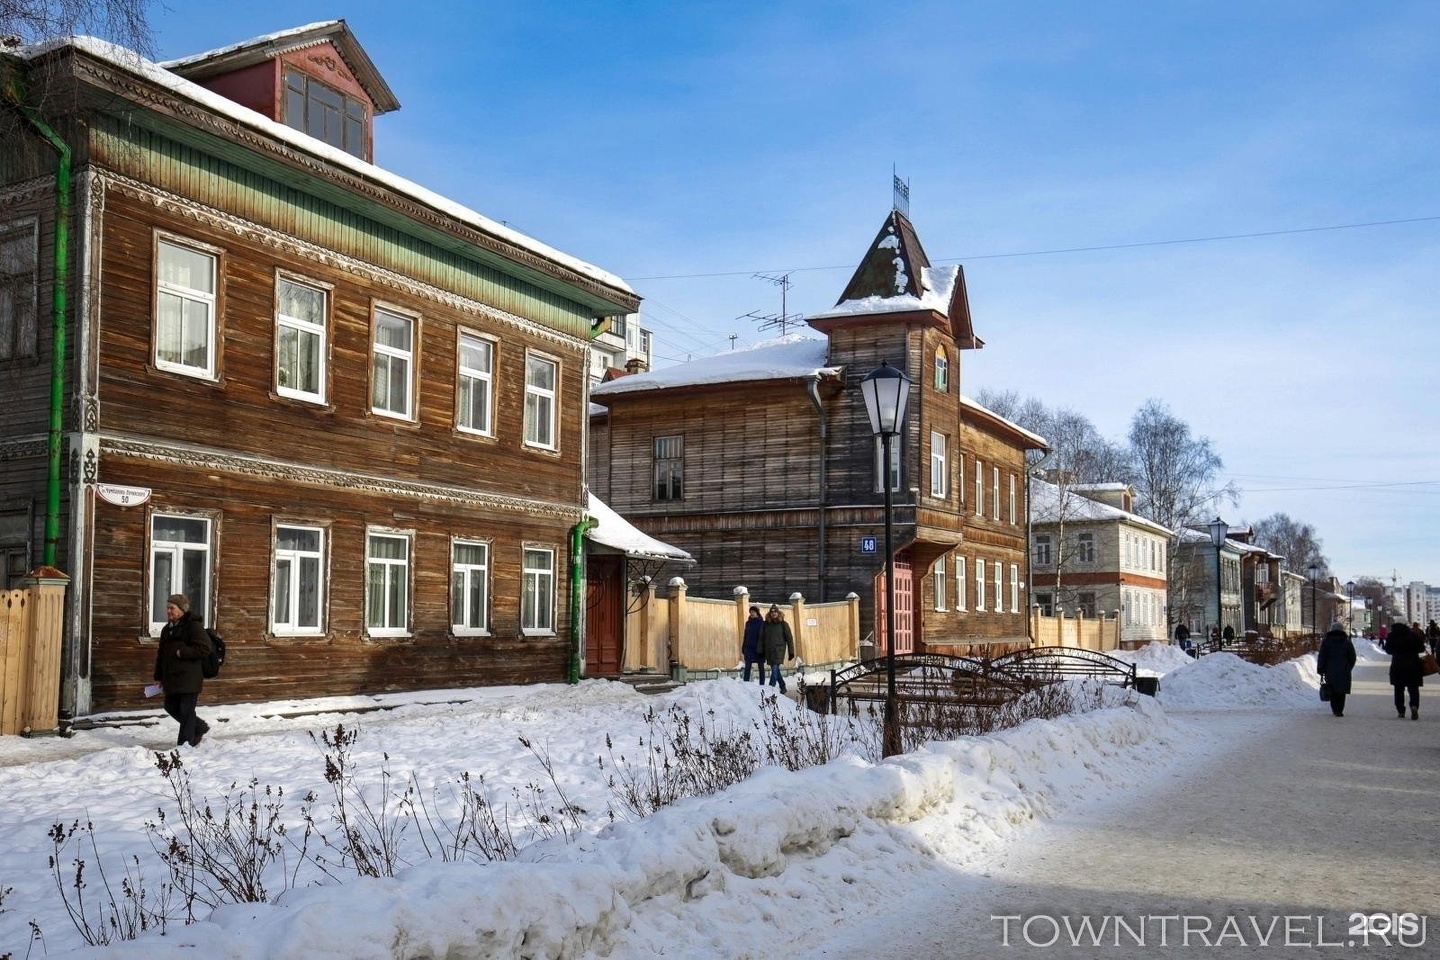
(184, 309)
(179, 563)
(1041, 551)
(387, 584)
(942, 371)
(939, 466)
(1013, 521)
(541, 376)
(469, 587)
(960, 585)
(1014, 588)
(979, 488)
(960, 477)
(979, 585)
(894, 463)
(297, 583)
(19, 289)
(537, 592)
(1043, 601)
(325, 113)
(300, 322)
(1085, 603)
(938, 575)
(394, 359)
(14, 544)
(1085, 547)
(669, 468)
(995, 493)
(999, 587)
(475, 384)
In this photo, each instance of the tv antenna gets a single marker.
(769, 321)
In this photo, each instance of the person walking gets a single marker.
(777, 644)
(1432, 633)
(750, 646)
(183, 645)
(1405, 646)
(1335, 663)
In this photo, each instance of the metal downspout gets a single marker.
(577, 577)
(59, 285)
(812, 385)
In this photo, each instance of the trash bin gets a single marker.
(1147, 685)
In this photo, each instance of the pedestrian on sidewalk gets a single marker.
(777, 643)
(1432, 633)
(1335, 663)
(183, 645)
(750, 646)
(1405, 646)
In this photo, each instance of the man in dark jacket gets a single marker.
(1335, 664)
(777, 643)
(183, 645)
(750, 646)
(1405, 646)
(1432, 634)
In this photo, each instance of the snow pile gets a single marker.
(713, 872)
(1155, 659)
(1221, 681)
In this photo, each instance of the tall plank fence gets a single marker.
(31, 625)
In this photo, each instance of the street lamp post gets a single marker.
(1219, 530)
(887, 393)
(1350, 607)
(1314, 616)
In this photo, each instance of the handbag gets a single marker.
(1324, 691)
(1428, 665)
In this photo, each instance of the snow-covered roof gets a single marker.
(1045, 505)
(130, 61)
(938, 284)
(792, 357)
(1035, 438)
(615, 531)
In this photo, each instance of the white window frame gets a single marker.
(894, 465)
(939, 465)
(303, 328)
(176, 551)
(289, 628)
(999, 587)
(465, 579)
(1085, 547)
(979, 487)
(979, 585)
(541, 405)
(1013, 514)
(1042, 550)
(960, 584)
(938, 574)
(994, 493)
(393, 356)
(540, 580)
(479, 380)
(942, 370)
(960, 476)
(402, 568)
(209, 299)
(1014, 588)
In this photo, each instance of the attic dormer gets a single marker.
(316, 78)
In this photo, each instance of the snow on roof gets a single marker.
(131, 61)
(1038, 440)
(318, 25)
(937, 282)
(788, 358)
(615, 531)
(1046, 507)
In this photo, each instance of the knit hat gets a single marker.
(180, 600)
(754, 608)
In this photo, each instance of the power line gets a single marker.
(1059, 250)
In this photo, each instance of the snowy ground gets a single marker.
(771, 860)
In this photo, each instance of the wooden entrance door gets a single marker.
(904, 607)
(604, 615)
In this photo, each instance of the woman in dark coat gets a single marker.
(750, 646)
(183, 644)
(777, 643)
(1335, 664)
(1405, 646)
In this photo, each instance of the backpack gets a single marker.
(210, 664)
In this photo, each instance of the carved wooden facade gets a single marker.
(779, 469)
(433, 531)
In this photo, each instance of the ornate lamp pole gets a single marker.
(1314, 618)
(1350, 607)
(887, 394)
(1219, 530)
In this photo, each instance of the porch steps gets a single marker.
(650, 683)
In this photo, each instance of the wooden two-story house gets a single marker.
(342, 413)
(762, 465)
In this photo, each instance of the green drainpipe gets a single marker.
(57, 302)
(577, 577)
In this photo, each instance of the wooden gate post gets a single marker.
(677, 628)
(46, 627)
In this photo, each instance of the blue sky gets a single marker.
(689, 146)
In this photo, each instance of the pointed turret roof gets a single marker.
(895, 283)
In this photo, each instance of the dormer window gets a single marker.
(325, 113)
